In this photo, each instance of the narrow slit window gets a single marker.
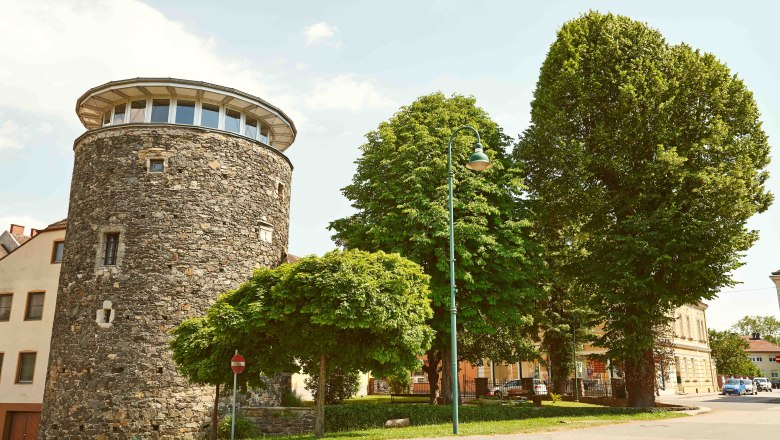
(232, 121)
(137, 111)
(209, 116)
(160, 109)
(112, 245)
(119, 114)
(250, 128)
(185, 112)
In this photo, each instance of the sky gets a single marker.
(338, 69)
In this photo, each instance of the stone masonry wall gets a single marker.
(281, 421)
(187, 234)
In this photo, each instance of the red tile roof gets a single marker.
(761, 345)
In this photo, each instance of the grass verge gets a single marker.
(524, 426)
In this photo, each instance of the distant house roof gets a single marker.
(760, 345)
(7, 247)
(58, 225)
(292, 258)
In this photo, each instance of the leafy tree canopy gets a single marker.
(646, 160)
(400, 194)
(728, 351)
(767, 326)
(365, 311)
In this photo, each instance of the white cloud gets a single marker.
(65, 47)
(13, 136)
(319, 33)
(345, 92)
(23, 220)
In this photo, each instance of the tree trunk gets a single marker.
(446, 375)
(558, 353)
(215, 415)
(319, 423)
(640, 380)
(432, 370)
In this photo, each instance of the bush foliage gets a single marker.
(367, 416)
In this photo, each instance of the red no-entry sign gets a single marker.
(238, 363)
(777, 359)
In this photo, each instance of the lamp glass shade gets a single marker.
(478, 160)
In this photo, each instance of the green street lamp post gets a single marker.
(477, 162)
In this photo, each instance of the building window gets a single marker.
(107, 118)
(5, 306)
(137, 111)
(185, 112)
(250, 127)
(1, 365)
(112, 245)
(34, 310)
(160, 108)
(209, 115)
(119, 114)
(56, 252)
(232, 121)
(266, 232)
(156, 165)
(26, 368)
(264, 135)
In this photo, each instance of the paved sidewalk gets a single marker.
(730, 418)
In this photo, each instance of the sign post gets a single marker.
(237, 363)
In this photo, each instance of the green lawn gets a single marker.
(530, 425)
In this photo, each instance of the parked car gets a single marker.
(749, 388)
(734, 386)
(762, 384)
(775, 383)
(513, 386)
(540, 388)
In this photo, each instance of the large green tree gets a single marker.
(648, 159)
(400, 194)
(766, 326)
(351, 310)
(728, 351)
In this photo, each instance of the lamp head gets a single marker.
(478, 160)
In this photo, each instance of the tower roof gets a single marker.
(93, 105)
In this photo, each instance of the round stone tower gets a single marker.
(180, 190)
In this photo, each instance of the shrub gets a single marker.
(244, 427)
(291, 398)
(367, 416)
(555, 397)
(341, 384)
(399, 384)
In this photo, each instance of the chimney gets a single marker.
(756, 336)
(34, 232)
(17, 229)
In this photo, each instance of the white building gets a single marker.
(29, 276)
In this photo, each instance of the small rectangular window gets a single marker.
(232, 121)
(34, 306)
(185, 112)
(266, 232)
(209, 116)
(6, 300)
(112, 245)
(137, 111)
(156, 165)
(26, 368)
(56, 253)
(160, 108)
(250, 128)
(119, 114)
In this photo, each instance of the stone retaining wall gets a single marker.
(281, 420)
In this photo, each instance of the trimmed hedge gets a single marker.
(366, 416)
